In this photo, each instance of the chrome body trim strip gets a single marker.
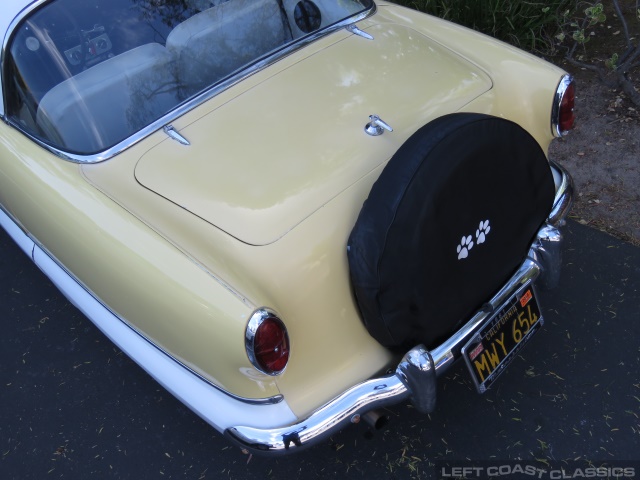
(184, 107)
(415, 376)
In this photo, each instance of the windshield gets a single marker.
(84, 75)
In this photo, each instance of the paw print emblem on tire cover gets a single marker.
(483, 230)
(466, 243)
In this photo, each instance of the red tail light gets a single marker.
(267, 342)
(563, 116)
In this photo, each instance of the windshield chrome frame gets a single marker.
(180, 109)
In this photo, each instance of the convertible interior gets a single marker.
(89, 74)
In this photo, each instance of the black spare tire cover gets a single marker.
(449, 220)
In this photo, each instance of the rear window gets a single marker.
(84, 75)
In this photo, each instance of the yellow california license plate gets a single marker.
(495, 345)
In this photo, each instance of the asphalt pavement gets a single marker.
(73, 406)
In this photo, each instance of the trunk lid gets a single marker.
(265, 161)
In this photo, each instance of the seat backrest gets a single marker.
(218, 41)
(110, 101)
(203, 4)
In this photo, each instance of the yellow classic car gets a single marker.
(291, 213)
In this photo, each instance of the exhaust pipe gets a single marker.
(376, 419)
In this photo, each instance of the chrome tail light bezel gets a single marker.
(566, 82)
(257, 319)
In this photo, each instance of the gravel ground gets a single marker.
(602, 156)
(602, 152)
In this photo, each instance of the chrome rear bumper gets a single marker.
(415, 376)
